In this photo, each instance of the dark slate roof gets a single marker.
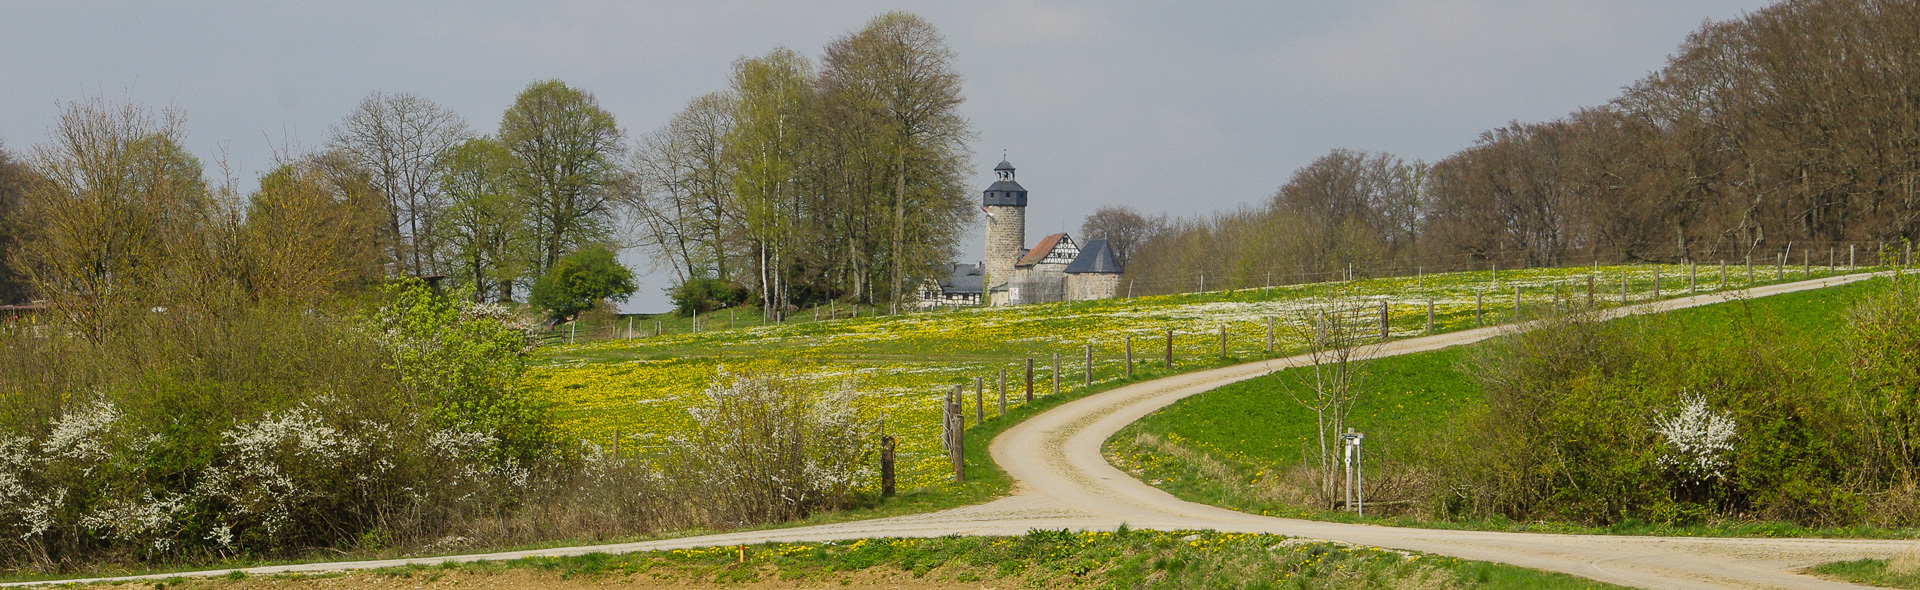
(966, 279)
(1005, 192)
(1004, 165)
(1095, 258)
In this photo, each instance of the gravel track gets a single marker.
(1063, 481)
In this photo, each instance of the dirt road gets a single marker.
(1062, 481)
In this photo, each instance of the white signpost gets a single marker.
(1350, 458)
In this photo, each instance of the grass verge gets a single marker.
(1050, 559)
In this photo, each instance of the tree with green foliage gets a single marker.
(565, 149)
(580, 281)
(706, 294)
(483, 228)
(766, 141)
(896, 78)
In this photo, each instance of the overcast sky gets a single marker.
(1175, 107)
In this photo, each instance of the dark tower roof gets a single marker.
(1004, 191)
(1094, 258)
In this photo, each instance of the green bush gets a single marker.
(580, 281)
(705, 295)
(1577, 417)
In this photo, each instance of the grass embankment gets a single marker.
(1902, 571)
(1220, 447)
(1043, 559)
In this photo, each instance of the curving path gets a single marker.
(1063, 481)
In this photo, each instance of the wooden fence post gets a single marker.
(1029, 379)
(979, 401)
(1479, 303)
(1129, 356)
(1589, 289)
(1693, 276)
(1003, 391)
(1383, 321)
(656, 328)
(1656, 281)
(1087, 381)
(1850, 260)
(1516, 303)
(1056, 373)
(1723, 274)
(1831, 259)
(1624, 295)
(958, 452)
(1429, 316)
(1169, 349)
(1223, 341)
(886, 466)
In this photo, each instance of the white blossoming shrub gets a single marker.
(268, 433)
(766, 450)
(1697, 438)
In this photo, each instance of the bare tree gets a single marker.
(1124, 229)
(682, 195)
(1341, 335)
(13, 188)
(398, 139)
(115, 202)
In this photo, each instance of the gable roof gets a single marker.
(1042, 249)
(1094, 258)
(964, 280)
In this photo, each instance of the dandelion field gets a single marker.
(638, 389)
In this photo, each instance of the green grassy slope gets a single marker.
(1255, 427)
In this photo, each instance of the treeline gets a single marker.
(840, 183)
(799, 183)
(1793, 126)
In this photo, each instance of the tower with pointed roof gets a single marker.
(1005, 203)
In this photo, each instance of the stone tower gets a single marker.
(1006, 205)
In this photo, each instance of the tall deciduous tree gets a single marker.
(685, 203)
(398, 139)
(306, 228)
(900, 72)
(766, 144)
(566, 150)
(13, 187)
(115, 201)
(484, 227)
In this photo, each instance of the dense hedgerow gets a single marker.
(402, 422)
(263, 430)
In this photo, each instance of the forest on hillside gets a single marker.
(1793, 131)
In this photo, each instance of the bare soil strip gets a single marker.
(1063, 482)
